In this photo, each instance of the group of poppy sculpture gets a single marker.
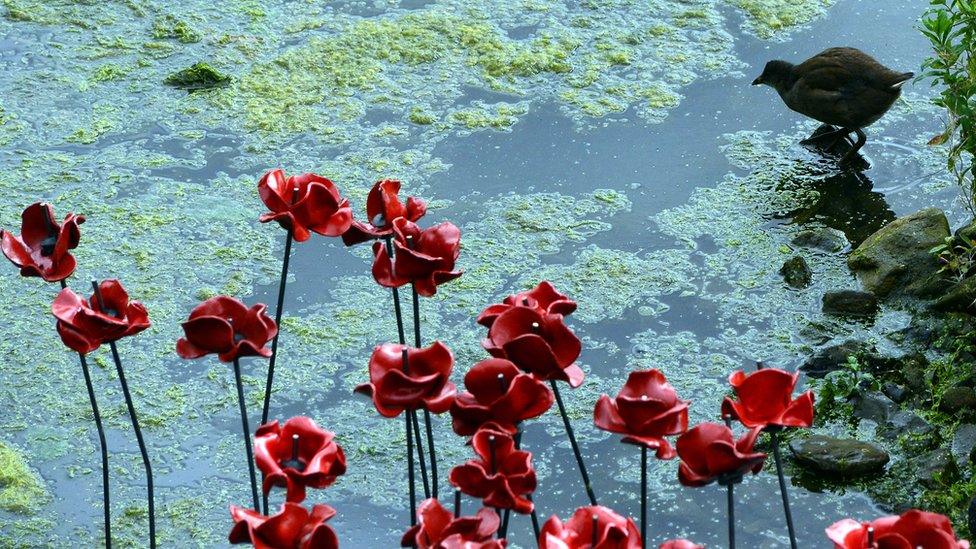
(531, 350)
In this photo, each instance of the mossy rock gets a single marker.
(199, 76)
(961, 297)
(796, 272)
(897, 259)
(839, 457)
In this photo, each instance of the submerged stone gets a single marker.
(841, 457)
(199, 76)
(796, 272)
(850, 303)
(823, 239)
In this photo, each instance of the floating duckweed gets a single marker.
(199, 76)
(498, 116)
(769, 18)
(169, 26)
(21, 491)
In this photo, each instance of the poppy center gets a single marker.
(48, 245)
(294, 462)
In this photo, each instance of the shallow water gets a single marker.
(667, 219)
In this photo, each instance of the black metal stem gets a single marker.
(643, 516)
(396, 296)
(535, 516)
(420, 452)
(427, 424)
(274, 341)
(774, 436)
(731, 515)
(142, 443)
(573, 443)
(103, 446)
(457, 503)
(410, 476)
(247, 433)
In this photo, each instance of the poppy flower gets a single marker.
(645, 411)
(316, 206)
(594, 527)
(424, 257)
(224, 325)
(383, 206)
(709, 452)
(498, 392)
(437, 528)
(424, 384)
(298, 455)
(910, 530)
(765, 398)
(680, 544)
(292, 528)
(501, 476)
(538, 343)
(544, 298)
(42, 247)
(85, 324)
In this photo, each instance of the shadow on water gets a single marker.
(847, 202)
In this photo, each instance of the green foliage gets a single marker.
(835, 391)
(950, 25)
(957, 256)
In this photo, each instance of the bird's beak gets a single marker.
(757, 81)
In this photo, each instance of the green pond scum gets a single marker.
(101, 122)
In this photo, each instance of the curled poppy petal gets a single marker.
(422, 382)
(501, 476)
(437, 528)
(709, 453)
(303, 203)
(498, 392)
(594, 522)
(224, 326)
(912, 529)
(540, 344)
(42, 248)
(383, 206)
(646, 410)
(424, 257)
(764, 398)
(293, 527)
(297, 455)
(85, 324)
(544, 298)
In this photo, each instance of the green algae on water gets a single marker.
(199, 76)
(21, 491)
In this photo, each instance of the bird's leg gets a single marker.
(861, 140)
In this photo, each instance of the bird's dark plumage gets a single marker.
(839, 86)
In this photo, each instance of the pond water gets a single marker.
(614, 147)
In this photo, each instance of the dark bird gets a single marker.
(843, 87)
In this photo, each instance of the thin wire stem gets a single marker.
(427, 424)
(274, 341)
(774, 436)
(247, 433)
(643, 497)
(573, 443)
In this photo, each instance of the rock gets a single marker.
(968, 231)
(896, 260)
(964, 442)
(960, 298)
(850, 303)
(895, 392)
(796, 272)
(841, 457)
(957, 399)
(904, 422)
(873, 406)
(936, 468)
(823, 239)
(915, 369)
(833, 358)
(971, 515)
(199, 76)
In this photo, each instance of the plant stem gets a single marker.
(103, 447)
(274, 341)
(731, 515)
(643, 497)
(573, 443)
(142, 443)
(420, 451)
(247, 433)
(396, 296)
(774, 436)
(430, 432)
(410, 475)
(535, 517)
(457, 503)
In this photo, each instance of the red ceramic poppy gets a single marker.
(765, 398)
(224, 325)
(85, 324)
(292, 528)
(912, 529)
(424, 383)
(538, 343)
(499, 393)
(298, 455)
(437, 528)
(680, 544)
(425, 257)
(501, 476)
(610, 530)
(42, 247)
(709, 452)
(645, 411)
(544, 298)
(383, 206)
(316, 206)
